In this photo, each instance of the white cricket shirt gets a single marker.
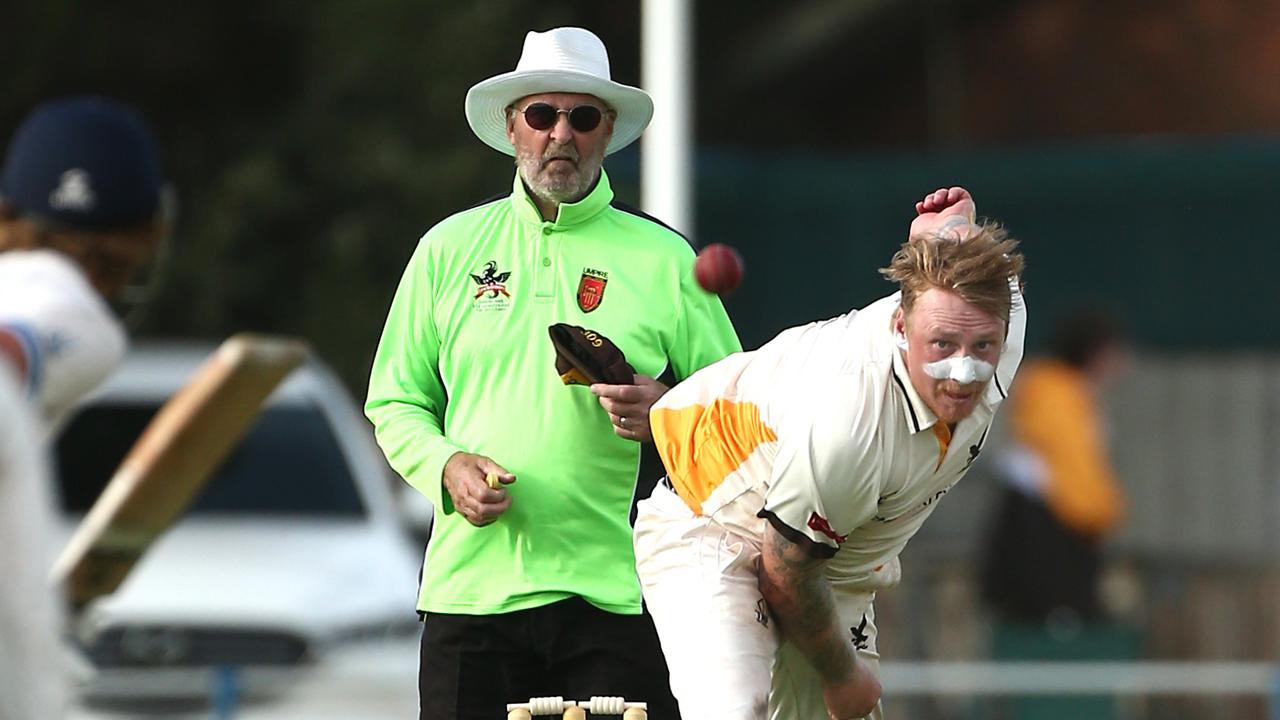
(821, 433)
(70, 337)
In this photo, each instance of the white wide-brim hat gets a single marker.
(568, 60)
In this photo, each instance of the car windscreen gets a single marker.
(289, 462)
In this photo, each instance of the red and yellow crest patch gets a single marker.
(591, 289)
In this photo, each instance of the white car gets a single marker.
(293, 550)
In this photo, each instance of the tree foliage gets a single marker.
(311, 143)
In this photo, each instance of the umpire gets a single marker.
(529, 588)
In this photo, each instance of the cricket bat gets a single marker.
(172, 460)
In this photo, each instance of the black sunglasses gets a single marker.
(542, 116)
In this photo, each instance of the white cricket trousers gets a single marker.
(724, 652)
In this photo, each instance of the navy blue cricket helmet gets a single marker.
(87, 163)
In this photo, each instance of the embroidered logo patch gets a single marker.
(819, 523)
(591, 289)
(974, 451)
(859, 636)
(762, 612)
(491, 291)
(74, 192)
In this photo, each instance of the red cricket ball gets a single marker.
(718, 268)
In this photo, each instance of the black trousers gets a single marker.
(471, 666)
(1034, 565)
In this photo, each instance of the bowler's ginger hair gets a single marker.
(978, 268)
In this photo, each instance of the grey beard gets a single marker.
(548, 190)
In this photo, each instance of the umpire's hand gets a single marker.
(628, 406)
(465, 477)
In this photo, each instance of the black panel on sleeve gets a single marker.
(813, 549)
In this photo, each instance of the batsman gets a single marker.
(81, 211)
(798, 472)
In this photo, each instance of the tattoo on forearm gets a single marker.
(955, 223)
(802, 602)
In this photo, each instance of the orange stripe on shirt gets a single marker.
(942, 431)
(700, 445)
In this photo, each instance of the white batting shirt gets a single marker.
(821, 433)
(33, 681)
(70, 337)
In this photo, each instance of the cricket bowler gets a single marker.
(798, 472)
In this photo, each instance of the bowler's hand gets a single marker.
(946, 210)
(853, 698)
(465, 479)
(628, 406)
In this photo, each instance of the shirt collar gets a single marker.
(568, 214)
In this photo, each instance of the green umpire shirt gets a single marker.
(465, 364)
